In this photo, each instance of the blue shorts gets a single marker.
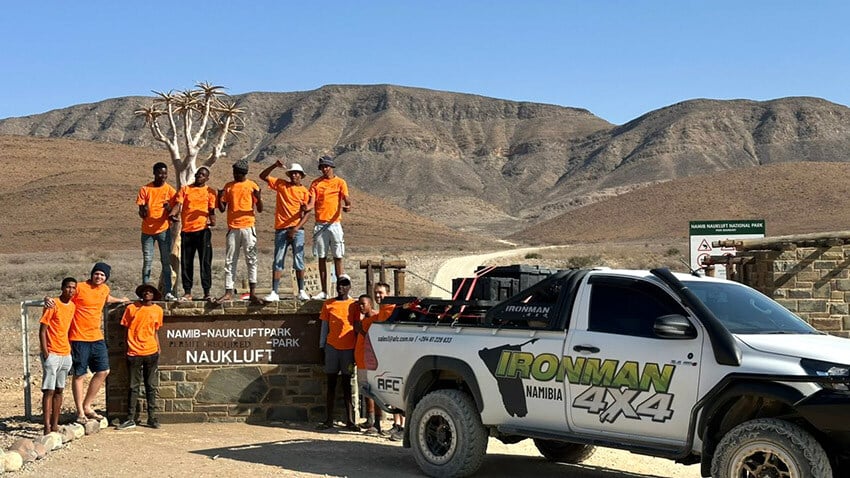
(89, 355)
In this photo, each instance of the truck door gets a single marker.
(525, 356)
(621, 378)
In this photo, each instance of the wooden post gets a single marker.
(382, 275)
(369, 279)
(398, 281)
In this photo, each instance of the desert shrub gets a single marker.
(534, 255)
(580, 262)
(673, 251)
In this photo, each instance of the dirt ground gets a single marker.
(238, 449)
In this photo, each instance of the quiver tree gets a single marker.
(193, 122)
(190, 124)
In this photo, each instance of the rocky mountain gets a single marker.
(480, 163)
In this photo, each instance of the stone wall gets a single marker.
(812, 282)
(281, 384)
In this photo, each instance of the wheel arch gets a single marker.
(741, 401)
(433, 372)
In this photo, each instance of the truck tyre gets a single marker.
(564, 452)
(769, 447)
(446, 434)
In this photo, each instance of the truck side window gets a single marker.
(628, 307)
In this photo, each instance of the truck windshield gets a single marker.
(746, 311)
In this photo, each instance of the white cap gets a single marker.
(296, 168)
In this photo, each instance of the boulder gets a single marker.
(92, 427)
(40, 450)
(2, 461)
(104, 423)
(25, 448)
(57, 440)
(12, 461)
(67, 434)
(79, 430)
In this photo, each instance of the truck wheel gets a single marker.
(446, 434)
(563, 452)
(769, 447)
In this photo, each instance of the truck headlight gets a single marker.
(826, 369)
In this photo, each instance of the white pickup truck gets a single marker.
(694, 369)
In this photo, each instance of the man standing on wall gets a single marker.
(291, 208)
(330, 194)
(155, 200)
(239, 198)
(196, 211)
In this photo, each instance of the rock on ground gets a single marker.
(25, 448)
(12, 461)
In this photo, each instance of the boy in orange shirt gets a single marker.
(56, 353)
(330, 193)
(337, 339)
(368, 315)
(239, 197)
(155, 200)
(196, 211)
(142, 319)
(291, 208)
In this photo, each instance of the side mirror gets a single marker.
(674, 326)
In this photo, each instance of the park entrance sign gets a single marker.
(702, 233)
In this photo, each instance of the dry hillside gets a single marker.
(792, 198)
(486, 164)
(61, 194)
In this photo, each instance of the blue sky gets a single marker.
(618, 59)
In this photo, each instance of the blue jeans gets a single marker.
(281, 244)
(164, 241)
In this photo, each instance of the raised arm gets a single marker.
(264, 174)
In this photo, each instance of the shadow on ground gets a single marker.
(336, 456)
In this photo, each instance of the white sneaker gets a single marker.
(302, 295)
(169, 297)
(272, 297)
(320, 296)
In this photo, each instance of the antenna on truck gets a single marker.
(693, 272)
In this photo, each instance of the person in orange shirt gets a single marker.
(195, 208)
(56, 353)
(292, 205)
(368, 315)
(382, 290)
(88, 349)
(330, 194)
(337, 340)
(239, 198)
(142, 319)
(155, 200)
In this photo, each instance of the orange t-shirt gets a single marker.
(155, 197)
(338, 314)
(240, 203)
(289, 200)
(360, 345)
(328, 194)
(58, 321)
(196, 204)
(88, 316)
(142, 322)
